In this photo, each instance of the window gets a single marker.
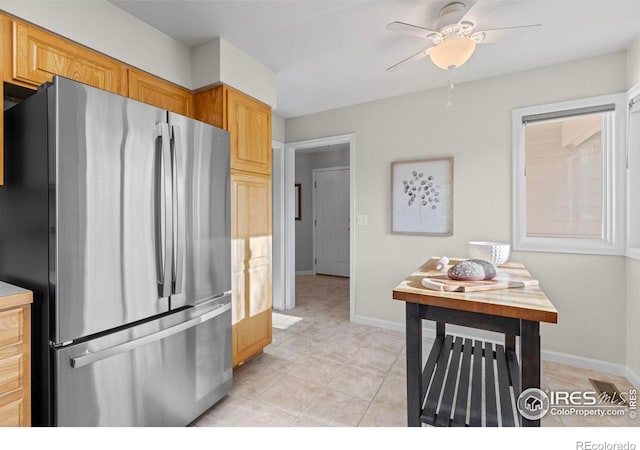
(568, 163)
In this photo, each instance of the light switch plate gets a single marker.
(362, 219)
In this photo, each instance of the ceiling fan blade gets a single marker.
(478, 11)
(421, 54)
(506, 34)
(407, 28)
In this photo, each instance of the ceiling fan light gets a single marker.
(452, 52)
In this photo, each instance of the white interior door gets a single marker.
(331, 215)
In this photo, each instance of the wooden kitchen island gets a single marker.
(469, 382)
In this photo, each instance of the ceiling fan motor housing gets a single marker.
(449, 23)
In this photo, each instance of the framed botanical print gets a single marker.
(422, 196)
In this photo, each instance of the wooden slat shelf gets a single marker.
(470, 383)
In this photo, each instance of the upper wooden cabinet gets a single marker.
(39, 55)
(160, 93)
(248, 122)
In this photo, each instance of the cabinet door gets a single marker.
(39, 55)
(158, 92)
(249, 123)
(251, 264)
(15, 367)
(12, 410)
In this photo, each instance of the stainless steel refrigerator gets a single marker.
(116, 214)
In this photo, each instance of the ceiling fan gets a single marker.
(455, 39)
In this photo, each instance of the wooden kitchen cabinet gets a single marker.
(39, 55)
(15, 356)
(248, 122)
(251, 263)
(158, 92)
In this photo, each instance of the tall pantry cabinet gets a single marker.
(249, 124)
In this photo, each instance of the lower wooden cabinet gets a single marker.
(251, 263)
(13, 410)
(15, 359)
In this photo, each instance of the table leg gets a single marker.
(530, 360)
(510, 342)
(413, 326)
(440, 329)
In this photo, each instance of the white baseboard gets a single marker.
(583, 362)
(429, 334)
(633, 378)
(305, 272)
(387, 324)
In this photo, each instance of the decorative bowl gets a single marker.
(496, 253)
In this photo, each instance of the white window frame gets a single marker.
(631, 252)
(612, 241)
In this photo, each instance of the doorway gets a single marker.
(292, 151)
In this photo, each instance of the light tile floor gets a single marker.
(323, 370)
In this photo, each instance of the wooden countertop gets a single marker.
(528, 303)
(12, 296)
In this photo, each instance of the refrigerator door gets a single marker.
(202, 228)
(162, 373)
(110, 184)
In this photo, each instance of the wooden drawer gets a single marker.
(11, 373)
(39, 55)
(11, 329)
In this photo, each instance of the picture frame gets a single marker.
(298, 201)
(422, 196)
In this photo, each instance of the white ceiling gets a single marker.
(329, 54)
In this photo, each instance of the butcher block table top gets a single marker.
(12, 296)
(527, 303)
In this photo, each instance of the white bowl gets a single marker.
(496, 253)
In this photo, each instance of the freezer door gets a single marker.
(202, 228)
(163, 373)
(110, 174)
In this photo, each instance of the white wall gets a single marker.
(588, 291)
(633, 63)
(305, 163)
(633, 315)
(106, 28)
(277, 128)
(633, 266)
(217, 61)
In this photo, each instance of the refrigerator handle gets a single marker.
(179, 210)
(165, 221)
(90, 358)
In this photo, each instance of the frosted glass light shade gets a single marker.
(452, 52)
